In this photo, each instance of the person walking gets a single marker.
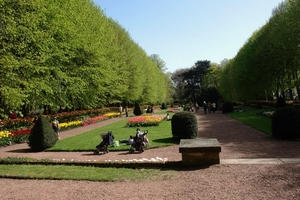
(209, 107)
(214, 107)
(120, 110)
(126, 111)
(55, 126)
(204, 107)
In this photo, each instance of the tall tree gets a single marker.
(159, 62)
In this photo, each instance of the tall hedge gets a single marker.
(137, 109)
(42, 135)
(286, 123)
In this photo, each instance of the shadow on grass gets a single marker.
(170, 140)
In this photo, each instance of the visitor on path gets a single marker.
(209, 107)
(120, 110)
(55, 126)
(204, 107)
(214, 107)
(126, 111)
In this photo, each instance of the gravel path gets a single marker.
(224, 181)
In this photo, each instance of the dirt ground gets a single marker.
(223, 181)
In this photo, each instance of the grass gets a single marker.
(255, 119)
(158, 136)
(62, 172)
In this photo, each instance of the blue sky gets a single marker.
(182, 32)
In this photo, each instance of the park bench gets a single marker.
(200, 151)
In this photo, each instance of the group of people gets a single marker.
(139, 141)
(208, 107)
(121, 110)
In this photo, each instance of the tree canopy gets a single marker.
(68, 53)
(268, 64)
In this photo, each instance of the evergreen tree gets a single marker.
(42, 135)
(137, 109)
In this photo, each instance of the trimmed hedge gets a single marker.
(42, 135)
(184, 125)
(286, 123)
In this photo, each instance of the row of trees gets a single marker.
(68, 53)
(268, 64)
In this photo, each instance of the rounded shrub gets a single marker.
(286, 123)
(137, 111)
(227, 107)
(42, 135)
(184, 125)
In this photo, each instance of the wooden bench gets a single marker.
(197, 152)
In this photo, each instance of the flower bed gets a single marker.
(147, 120)
(18, 130)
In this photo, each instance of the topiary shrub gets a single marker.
(42, 135)
(286, 123)
(184, 125)
(280, 102)
(259, 106)
(163, 106)
(227, 107)
(137, 111)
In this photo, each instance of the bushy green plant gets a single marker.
(42, 136)
(280, 102)
(286, 123)
(184, 125)
(227, 107)
(259, 106)
(137, 111)
(163, 106)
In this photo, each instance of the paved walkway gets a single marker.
(241, 144)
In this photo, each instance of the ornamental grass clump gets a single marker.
(286, 123)
(184, 125)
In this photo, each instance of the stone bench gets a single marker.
(197, 152)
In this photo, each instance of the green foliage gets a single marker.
(42, 135)
(286, 123)
(137, 111)
(74, 53)
(268, 61)
(163, 106)
(227, 107)
(184, 125)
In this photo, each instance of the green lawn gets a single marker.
(158, 136)
(254, 118)
(63, 172)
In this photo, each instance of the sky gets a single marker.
(183, 32)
